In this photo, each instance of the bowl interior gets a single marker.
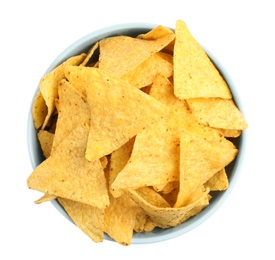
(133, 29)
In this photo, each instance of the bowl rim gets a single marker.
(157, 235)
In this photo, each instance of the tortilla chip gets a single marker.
(88, 218)
(195, 75)
(89, 55)
(158, 32)
(170, 217)
(144, 74)
(234, 133)
(46, 141)
(118, 160)
(67, 174)
(120, 219)
(152, 197)
(45, 198)
(73, 110)
(118, 112)
(147, 165)
(200, 159)
(218, 113)
(49, 84)
(218, 182)
(39, 110)
(121, 54)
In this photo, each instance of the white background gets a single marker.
(240, 33)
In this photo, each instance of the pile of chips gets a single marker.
(139, 137)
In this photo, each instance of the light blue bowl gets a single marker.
(233, 170)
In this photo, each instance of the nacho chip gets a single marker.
(144, 74)
(166, 187)
(118, 112)
(234, 133)
(195, 75)
(200, 159)
(218, 113)
(152, 197)
(89, 55)
(88, 218)
(46, 141)
(49, 84)
(158, 32)
(170, 217)
(45, 198)
(39, 110)
(218, 182)
(67, 174)
(73, 110)
(147, 165)
(118, 160)
(120, 219)
(121, 54)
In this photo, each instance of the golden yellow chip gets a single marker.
(200, 160)
(118, 112)
(88, 218)
(49, 84)
(148, 166)
(120, 219)
(218, 182)
(152, 197)
(195, 75)
(89, 55)
(144, 74)
(169, 217)
(118, 160)
(39, 110)
(46, 141)
(158, 32)
(121, 54)
(218, 113)
(234, 133)
(45, 198)
(73, 110)
(167, 187)
(67, 174)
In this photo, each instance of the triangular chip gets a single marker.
(121, 54)
(118, 112)
(46, 141)
(144, 74)
(88, 218)
(120, 219)
(166, 217)
(194, 73)
(39, 110)
(89, 54)
(118, 160)
(46, 197)
(200, 159)
(73, 110)
(158, 32)
(218, 113)
(49, 83)
(148, 166)
(67, 173)
(218, 182)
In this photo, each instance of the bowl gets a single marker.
(233, 170)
